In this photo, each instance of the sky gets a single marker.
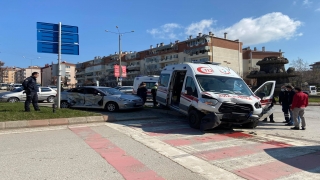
(290, 25)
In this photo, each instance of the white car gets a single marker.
(16, 95)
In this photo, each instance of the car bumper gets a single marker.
(129, 105)
(237, 118)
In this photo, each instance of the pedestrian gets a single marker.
(284, 102)
(31, 89)
(271, 116)
(291, 93)
(154, 90)
(142, 92)
(299, 103)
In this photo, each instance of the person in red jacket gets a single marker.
(299, 103)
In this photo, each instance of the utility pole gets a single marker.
(120, 63)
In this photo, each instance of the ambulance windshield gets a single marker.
(223, 84)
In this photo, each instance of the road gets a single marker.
(162, 148)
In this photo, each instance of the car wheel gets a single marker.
(13, 100)
(50, 99)
(194, 118)
(112, 106)
(64, 104)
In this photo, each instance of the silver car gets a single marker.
(18, 94)
(125, 89)
(95, 97)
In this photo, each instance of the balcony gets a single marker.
(79, 72)
(169, 60)
(133, 72)
(133, 66)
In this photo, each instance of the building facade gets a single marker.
(202, 48)
(315, 66)
(250, 59)
(50, 74)
(23, 73)
(8, 74)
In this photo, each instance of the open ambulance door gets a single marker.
(266, 92)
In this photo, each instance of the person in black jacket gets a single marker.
(284, 102)
(291, 92)
(142, 92)
(31, 89)
(271, 116)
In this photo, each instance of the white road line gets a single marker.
(186, 160)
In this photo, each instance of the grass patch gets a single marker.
(311, 99)
(15, 112)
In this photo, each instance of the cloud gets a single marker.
(306, 2)
(166, 31)
(318, 10)
(203, 26)
(270, 27)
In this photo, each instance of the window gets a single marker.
(45, 90)
(77, 90)
(91, 91)
(190, 87)
(164, 80)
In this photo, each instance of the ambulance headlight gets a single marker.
(210, 102)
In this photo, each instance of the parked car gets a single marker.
(125, 89)
(18, 94)
(99, 97)
(13, 86)
(53, 87)
(3, 86)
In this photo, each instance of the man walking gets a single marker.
(299, 103)
(154, 94)
(31, 90)
(284, 102)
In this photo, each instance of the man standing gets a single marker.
(284, 102)
(154, 94)
(299, 103)
(31, 90)
(291, 93)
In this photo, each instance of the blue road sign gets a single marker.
(49, 47)
(52, 36)
(55, 27)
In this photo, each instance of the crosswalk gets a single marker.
(226, 154)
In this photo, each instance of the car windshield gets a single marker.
(17, 90)
(313, 88)
(17, 85)
(223, 84)
(111, 91)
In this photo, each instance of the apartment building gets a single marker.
(7, 74)
(50, 74)
(251, 57)
(202, 48)
(315, 66)
(23, 73)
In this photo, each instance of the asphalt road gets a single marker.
(161, 148)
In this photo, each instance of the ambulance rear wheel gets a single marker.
(194, 118)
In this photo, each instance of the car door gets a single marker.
(266, 92)
(93, 98)
(44, 93)
(75, 97)
(188, 94)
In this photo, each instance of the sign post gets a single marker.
(57, 39)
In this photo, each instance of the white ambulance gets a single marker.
(198, 90)
(149, 80)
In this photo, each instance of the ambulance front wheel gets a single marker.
(194, 118)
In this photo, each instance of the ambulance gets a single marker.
(149, 80)
(210, 90)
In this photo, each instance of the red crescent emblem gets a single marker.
(205, 70)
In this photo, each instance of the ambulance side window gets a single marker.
(164, 80)
(190, 87)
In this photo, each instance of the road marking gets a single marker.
(126, 165)
(281, 168)
(186, 160)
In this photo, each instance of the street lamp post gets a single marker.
(120, 66)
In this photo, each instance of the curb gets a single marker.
(65, 121)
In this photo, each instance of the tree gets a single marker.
(152, 69)
(304, 74)
(1, 71)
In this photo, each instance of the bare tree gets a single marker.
(1, 71)
(152, 69)
(305, 76)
